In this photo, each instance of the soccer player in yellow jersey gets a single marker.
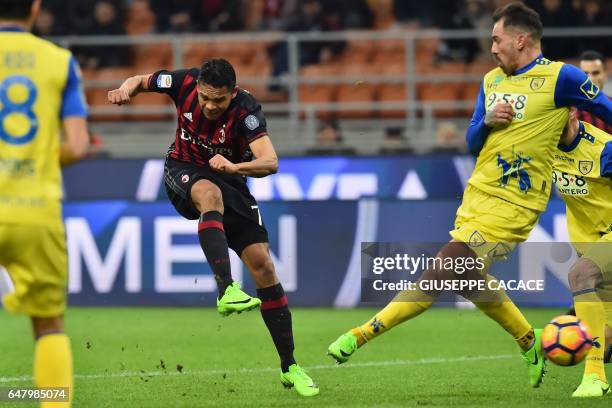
(582, 172)
(518, 119)
(40, 93)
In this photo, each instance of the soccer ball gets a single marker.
(566, 340)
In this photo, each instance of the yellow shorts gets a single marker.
(36, 260)
(491, 226)
(599, 252)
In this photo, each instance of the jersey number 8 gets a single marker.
(24, 108)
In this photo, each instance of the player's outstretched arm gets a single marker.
(128, 89)
(76, 140)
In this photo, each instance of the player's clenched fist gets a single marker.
(501, 115)
(118, 96)
(222, 165)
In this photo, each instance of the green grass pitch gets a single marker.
(149, 357)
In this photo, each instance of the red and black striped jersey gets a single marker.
(594, 120)
(198, 139)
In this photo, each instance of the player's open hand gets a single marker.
(501, 115)
(118, 96)
(222, 165)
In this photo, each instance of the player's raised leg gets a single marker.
(584, 277)
(405, 306)
(207, 198)
(277, 316)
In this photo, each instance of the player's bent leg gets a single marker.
(52, 357)
(498, 306)
(207, 198)
(406, 305)
(277, 317)
(584, 277)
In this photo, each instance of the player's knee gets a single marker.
(263, 266)
(206, 196)
(47, 325)
(583, 275)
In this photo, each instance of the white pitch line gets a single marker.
(127, 374)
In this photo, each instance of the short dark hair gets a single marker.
(218, 73)
(15, 9)
(519, 15)
(591, 55)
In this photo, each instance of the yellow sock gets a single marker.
(396, 312)
(500, 308)
(590, 310)
(53, 365)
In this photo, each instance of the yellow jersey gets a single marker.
(39, 86)
(515, 161)
(582, 173)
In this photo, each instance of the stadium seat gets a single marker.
(480, 67)
(469, 93)
(150, 99)
(254, 78)
(358, 52)
(443, 68)
(195, 53)
(427, 48)
(313, 93)
(385, 57)
(152, 57)
(392, 93)
(440, 92)
(358, 92)
(98, 96)
(237, 52)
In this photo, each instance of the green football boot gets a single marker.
(297, 377)
(343, 347)
(535, 360)
(234, 300)
(591, 386)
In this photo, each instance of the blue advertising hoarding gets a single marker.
(298, 179)
(126, 253)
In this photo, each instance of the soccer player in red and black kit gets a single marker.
(221, 138)
(593, 64)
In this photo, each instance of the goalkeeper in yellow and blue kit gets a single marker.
(40, 93)
(518, 119)
(582, 172)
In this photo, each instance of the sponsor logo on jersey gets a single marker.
(570, 184)
(189, 116)
(164, 81)
(564, 158)
(513, 169)
(225, 151)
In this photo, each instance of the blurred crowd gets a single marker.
(114, 17)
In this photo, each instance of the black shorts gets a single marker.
(241, 219)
